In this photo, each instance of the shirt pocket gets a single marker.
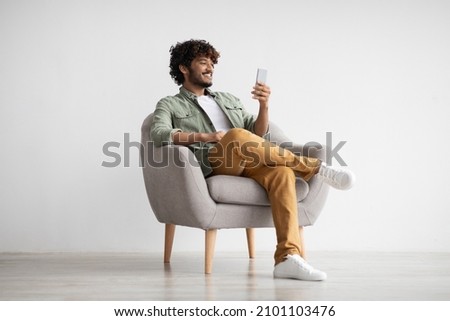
(235, 115)
(187, 120)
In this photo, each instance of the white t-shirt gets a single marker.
(215, 113)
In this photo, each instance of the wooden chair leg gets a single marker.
(250, 242)
(210, 242)
(168, 242)
(302, 242)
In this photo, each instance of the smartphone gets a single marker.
(261, 76)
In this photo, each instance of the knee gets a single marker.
(236, 133)
(284, 174)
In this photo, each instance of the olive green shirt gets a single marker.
(182, 113)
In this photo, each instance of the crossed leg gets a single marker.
(241, 153)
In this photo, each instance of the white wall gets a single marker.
(77, 74)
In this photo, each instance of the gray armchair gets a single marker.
(180, 195)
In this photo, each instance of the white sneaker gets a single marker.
(338, 178)
(295, 267)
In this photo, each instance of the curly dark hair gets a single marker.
(184, 52)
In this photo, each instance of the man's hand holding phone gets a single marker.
(261, 91)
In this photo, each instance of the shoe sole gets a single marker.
(297, 278)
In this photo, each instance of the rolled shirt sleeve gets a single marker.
(162, 128)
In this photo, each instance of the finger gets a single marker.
(258, 87)
(265, 89)
(261, 94)
(261, 85)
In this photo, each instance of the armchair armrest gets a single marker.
(278, 137)
(183, 199)
(313, 149)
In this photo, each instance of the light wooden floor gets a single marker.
(351, 276)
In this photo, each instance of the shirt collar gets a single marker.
(191, 95)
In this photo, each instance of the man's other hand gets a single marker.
(215, 137)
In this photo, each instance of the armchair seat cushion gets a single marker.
(245, 191)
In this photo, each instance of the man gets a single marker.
(228, 140)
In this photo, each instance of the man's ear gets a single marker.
(183, 69)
